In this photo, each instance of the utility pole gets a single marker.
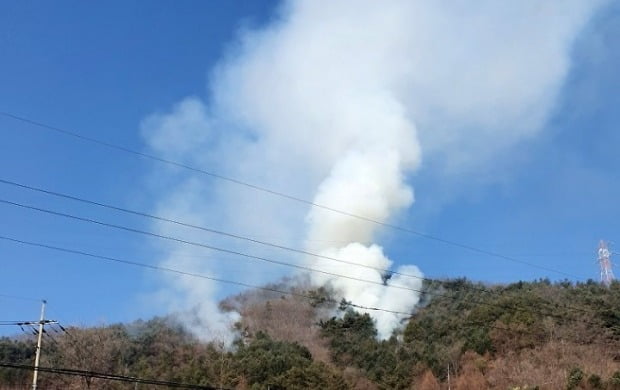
(604, 261)
(38, 353)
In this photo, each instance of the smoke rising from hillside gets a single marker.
(339, 102)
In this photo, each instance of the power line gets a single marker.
(201, 245)
(186, 273)
(244, 255)
(224, 250)
(270, 289)
(205, 229)
(280, 291)
(107, 376)
(278, 193)
(384, 271)
(214, 231)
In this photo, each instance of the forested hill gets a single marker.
(525, 335)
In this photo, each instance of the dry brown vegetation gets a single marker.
(549, 365)
(288, 319)
(427, 382)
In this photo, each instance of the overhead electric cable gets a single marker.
(278, 193)
(280, 291)
(385, 271)
(229, 251)
(113, 377)
(224, 250)
(205, 229)
(185, 273)
(201, 245)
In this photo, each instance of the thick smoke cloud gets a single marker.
(341, 102)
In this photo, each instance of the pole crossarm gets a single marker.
(18, 323)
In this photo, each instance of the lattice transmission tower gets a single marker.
(604, 261)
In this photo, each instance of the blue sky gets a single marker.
(101, 69)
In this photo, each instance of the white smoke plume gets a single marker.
(335, 102)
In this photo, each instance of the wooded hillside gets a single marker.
(525, 335)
